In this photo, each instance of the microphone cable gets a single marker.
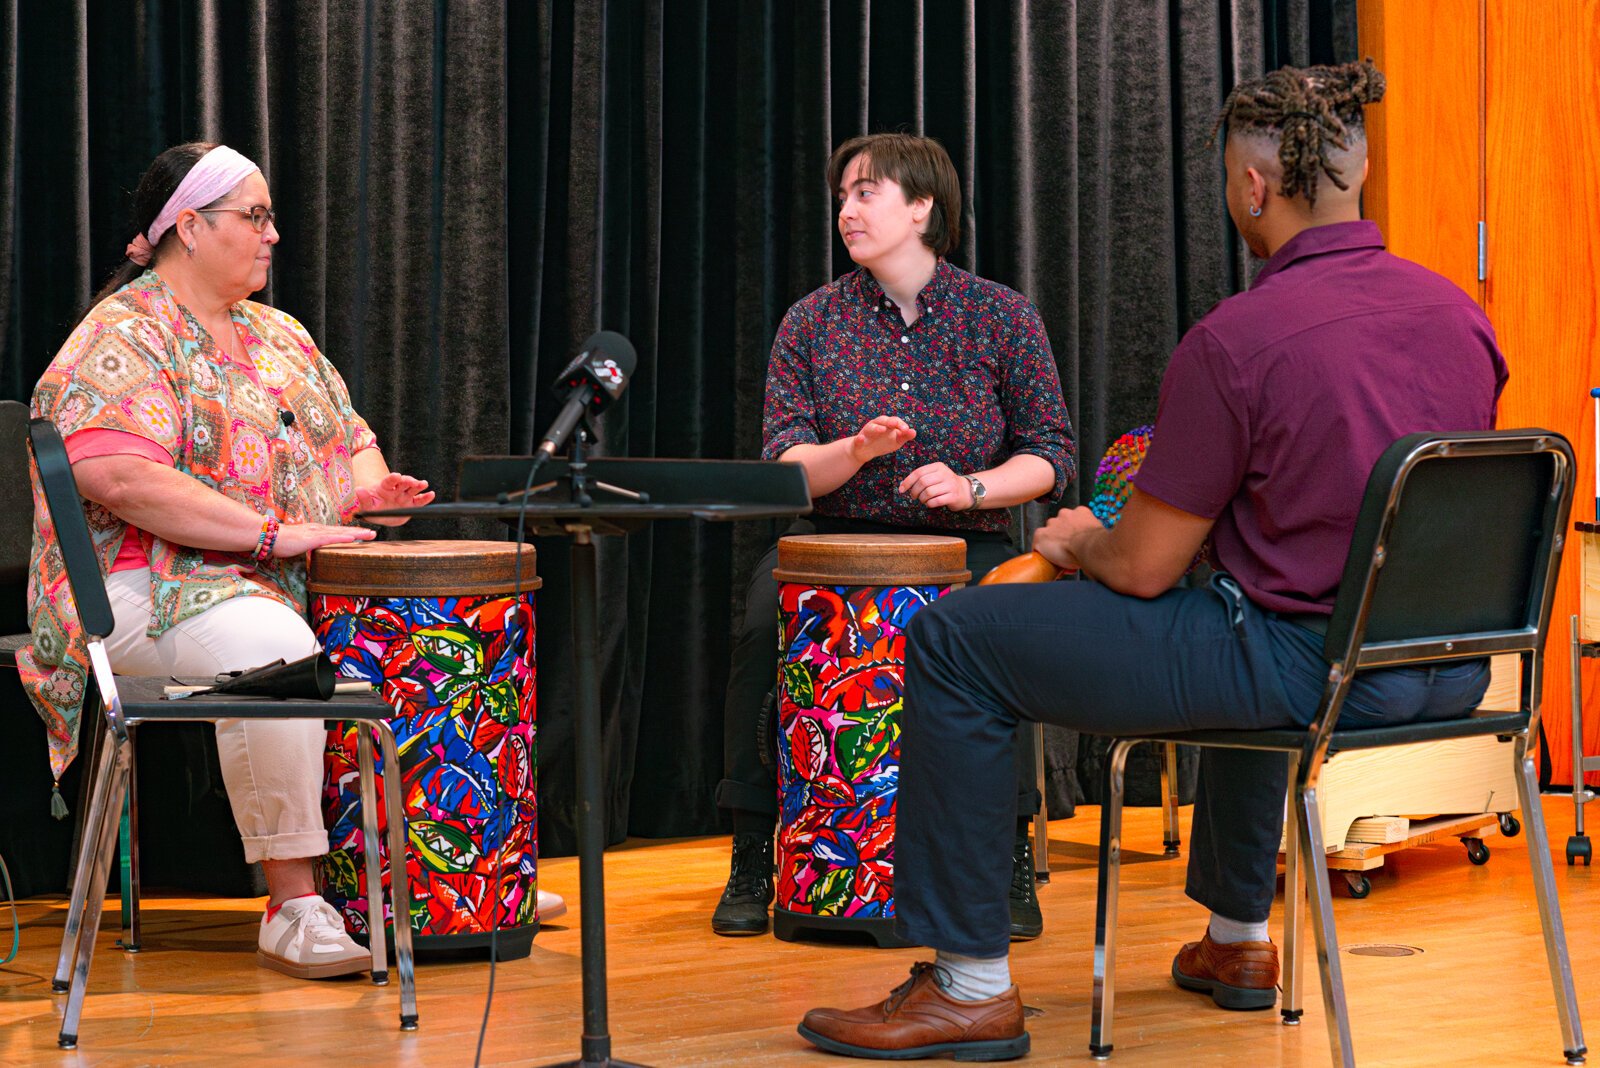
(499, 790)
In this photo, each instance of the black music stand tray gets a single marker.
(581, 498)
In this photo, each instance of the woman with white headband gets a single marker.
(221, 447)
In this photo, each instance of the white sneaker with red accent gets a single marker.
(550, 906)
(304, 937)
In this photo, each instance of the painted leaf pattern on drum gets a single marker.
(840, 689)
(459, 672)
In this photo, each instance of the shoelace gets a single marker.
(751, 869)
(941, 979)
(322, 922)
(1022, 875)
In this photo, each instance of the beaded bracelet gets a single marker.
(266, 540)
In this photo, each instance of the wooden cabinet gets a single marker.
(1493, 118)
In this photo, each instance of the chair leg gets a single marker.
(1310, 824)
(109, 793)
(1105, 913)
(399, 887)
(1544, 885)
(1578, 842)
(1171, 838)
(369, 844)
(132, 940)
(1041, 822)
(83, 874)
(1293, 906)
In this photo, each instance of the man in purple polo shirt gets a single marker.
(1273, 410)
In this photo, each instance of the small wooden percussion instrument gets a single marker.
(845, 601)
(439, 629)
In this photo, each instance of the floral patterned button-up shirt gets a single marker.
(141, 364)
(973, 376)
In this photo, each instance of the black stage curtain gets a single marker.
(467, 190)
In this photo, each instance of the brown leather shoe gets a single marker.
(919, 1020)
(1237, 975)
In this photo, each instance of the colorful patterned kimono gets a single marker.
(141, 364)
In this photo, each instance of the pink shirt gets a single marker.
(96, 442)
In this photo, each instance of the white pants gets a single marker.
(273, 770)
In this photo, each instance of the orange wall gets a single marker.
(1539, 184)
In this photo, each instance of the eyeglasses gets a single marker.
(259, 216)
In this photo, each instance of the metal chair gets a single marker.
(127, 702)
(1455, 555)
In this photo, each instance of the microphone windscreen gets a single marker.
(615, 346)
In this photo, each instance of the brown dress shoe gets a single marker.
(1237, 975)
(919, 1020)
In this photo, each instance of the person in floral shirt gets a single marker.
(921, 400)
(215, 447)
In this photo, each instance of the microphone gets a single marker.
(287, 417)
(595, 378)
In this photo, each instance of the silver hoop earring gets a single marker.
(1255, 212)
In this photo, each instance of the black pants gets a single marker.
(1080, 655)
(750, 787)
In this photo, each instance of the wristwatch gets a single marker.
(978, 490)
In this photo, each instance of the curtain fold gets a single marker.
(468, 190)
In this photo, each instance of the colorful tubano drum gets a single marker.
(844, 602)
(431, 625)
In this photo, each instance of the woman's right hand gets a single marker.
(297, 539)
(879, 437)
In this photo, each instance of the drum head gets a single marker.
(421, 568)
(872, 560)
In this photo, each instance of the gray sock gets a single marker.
(975, 978)
(1224, 930)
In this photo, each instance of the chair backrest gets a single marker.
(16, 496)
(1456, 548)
(71, 527)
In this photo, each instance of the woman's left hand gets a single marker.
(936, 486)
(394, 490)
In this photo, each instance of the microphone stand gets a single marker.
(596, 1039)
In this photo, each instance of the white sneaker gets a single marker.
(305, 938)
(551, 906)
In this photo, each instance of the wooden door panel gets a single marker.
(1543, 289)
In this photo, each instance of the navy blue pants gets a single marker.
(1080, 655)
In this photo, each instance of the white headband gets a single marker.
(213, 174)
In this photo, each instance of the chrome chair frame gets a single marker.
(1350, 651)
(113, 765)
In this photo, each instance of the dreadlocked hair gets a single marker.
(1312, 111)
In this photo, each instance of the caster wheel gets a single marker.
(1578, 849)
(1357, 884)
(1509, 825)
(1477, 852)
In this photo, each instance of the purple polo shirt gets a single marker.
(1277, 404)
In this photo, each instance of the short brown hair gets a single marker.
(922, 168)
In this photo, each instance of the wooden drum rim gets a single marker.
(434, 568)
(872, 560)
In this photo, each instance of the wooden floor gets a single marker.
(1478, 992)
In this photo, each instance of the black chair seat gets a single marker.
(1481, 721)
(144, 700)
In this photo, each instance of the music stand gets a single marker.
(580, 498)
